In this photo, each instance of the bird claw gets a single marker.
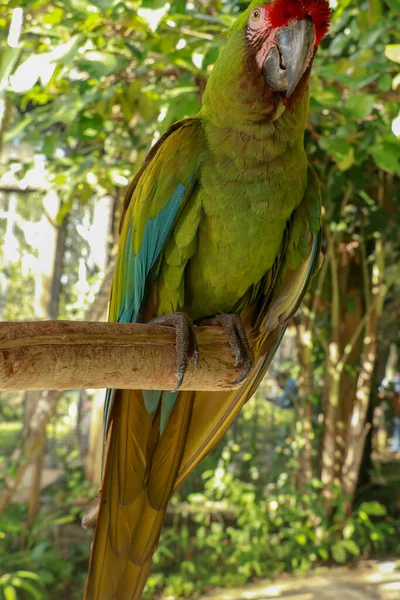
(186, 342)
(238, 342)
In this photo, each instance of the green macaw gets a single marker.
(221, 225)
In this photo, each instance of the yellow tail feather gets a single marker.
(146, 468)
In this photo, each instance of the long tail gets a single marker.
(144, 468)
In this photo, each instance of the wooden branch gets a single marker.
(9, 189)
(63, 355)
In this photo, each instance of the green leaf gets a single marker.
(102, 64)
(8, 61)
(339, 552)
(197, 498)
(359, 106)
(18, 128)
(53, 16)
(28, 587)
(351, 547)
(387, 157)
(328, 96)
(370, 37)
(9, 593)
(28, 575)
(367, 198)
(375, 10)
(348, 531)
(339, 44)
(385, 82)
(82, 6)
(323, 553)
(340, 150)
(392, 52)
(394, 6)
(396, 82)
(153, 4)
(301, 539)
(66, 107)
(373, 509)
(63, 520)
(347, 161)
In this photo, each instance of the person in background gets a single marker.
(290, 392)
(390, 391)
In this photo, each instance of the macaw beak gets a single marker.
(289, 58)
(295, 43)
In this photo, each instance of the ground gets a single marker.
(368, 581)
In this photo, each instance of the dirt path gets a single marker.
(369, 581)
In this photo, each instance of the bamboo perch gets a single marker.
(64, 355)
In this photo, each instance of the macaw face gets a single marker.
(284, 36)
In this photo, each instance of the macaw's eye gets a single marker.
(256, 20)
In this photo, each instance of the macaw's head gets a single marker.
(282, 37)
(267, 58)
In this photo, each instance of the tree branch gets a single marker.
(62, 355)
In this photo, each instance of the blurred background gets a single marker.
(309, 475)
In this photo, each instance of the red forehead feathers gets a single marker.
(281, 12)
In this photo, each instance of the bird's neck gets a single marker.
(258, 146)
(239, 109)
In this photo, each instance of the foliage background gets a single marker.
(85, 89)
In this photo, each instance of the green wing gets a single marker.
(161, 193)
(299, 260)
(153, 203)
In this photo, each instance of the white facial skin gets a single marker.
(258, 28)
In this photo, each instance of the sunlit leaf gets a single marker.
(301, 539)
(348, 531)
(8, 61)
(9, 593)
(28, 575)
(101, 64)
(392, 52)
(351, 547)
(373, 509)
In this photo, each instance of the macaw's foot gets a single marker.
(186, 342)
(237, 340)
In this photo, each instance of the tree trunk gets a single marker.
(329, 459)
(26, 454)
(52, 313)
(358, 429)
(304, 408)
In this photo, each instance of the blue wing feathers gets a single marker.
(151, 400)
(127, 308)
(137, 268)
